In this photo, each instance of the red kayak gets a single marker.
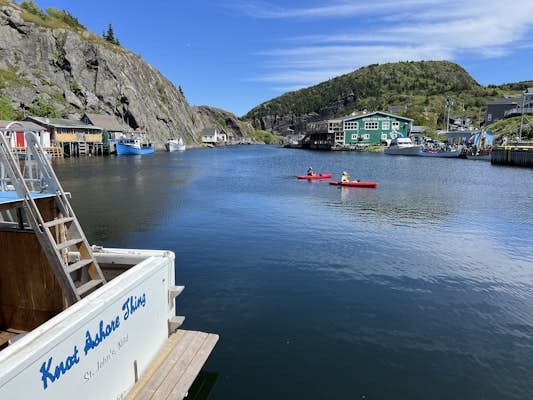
(355, 184)
(315, 176)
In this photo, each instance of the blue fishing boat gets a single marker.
(134, 146)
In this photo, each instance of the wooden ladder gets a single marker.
(77, 278)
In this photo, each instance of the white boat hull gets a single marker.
(403, 151)
(94, 349)
(176, 145)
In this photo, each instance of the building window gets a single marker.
(383, 136)
(339, 137)
(385, 125)
(489, 117)
(367, 136)
(371, 125)
(395, 125)
(355, 136)
(393, 135)
(351, 125)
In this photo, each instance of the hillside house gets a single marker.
(110, 123)
(397, 109)
(496, 109)
(525, 105)
(372, 129)
(15, 131)
(356, 130)
(74, 137)
(214, 136)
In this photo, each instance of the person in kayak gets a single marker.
(345, 177)
(310, 171)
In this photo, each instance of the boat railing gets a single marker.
(32, 173)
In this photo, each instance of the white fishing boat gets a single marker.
(80, 321)
(403, 146)
(176, 144)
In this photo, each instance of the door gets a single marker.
(20, 139)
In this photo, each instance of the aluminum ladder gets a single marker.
(77, 278)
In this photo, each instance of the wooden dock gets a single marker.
(175, 368)
(54, 151)
(520, 155)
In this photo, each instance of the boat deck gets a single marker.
(175, 368)
(10, 199)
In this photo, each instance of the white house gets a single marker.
(14, 132)
(213, 136)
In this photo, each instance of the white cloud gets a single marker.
(389, 31)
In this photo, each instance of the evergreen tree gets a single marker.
(110, 36)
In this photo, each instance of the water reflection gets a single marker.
(421, 288)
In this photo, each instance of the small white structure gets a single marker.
(14, 131)
(214, 136)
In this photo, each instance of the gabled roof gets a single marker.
(61, 123)
(24, 124)
(209, 131)
(505, 100)
(374, 113)
(108, 122)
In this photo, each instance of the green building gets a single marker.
(371, 129)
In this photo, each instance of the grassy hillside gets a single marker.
(421, 86)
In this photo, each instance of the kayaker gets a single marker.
(310, 171)
(345, 177)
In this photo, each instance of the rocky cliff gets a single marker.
(47, 67)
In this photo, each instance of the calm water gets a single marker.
(420, 289)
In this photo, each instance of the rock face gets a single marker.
(77, 72)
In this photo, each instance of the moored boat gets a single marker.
(403, 146)
(79, 321)
(134, 146)
(176, 145)
(442, 154)
(361, 184)
(315, 176)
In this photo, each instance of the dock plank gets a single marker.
(173, 371)
(182, 387)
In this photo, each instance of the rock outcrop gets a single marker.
(72, 72)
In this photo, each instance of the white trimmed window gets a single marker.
(355, 136)
(385, 125)
(395, 125)
(339, 136)
(371, 125)
(351, 125)
(383, 136)
(393, 135)
(366, 136)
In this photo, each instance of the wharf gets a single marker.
(519, 155)
(175, 368)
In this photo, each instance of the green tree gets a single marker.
(110, 36)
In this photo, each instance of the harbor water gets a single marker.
(419, 289)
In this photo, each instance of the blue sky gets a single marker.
(237, 54)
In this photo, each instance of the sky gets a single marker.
(237, 54)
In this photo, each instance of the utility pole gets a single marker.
(446, 104)
(522, 117)
(449, 104)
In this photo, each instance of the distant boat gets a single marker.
(403, 146)
(482, 156)
(176, 144)
(442, 154)
(134, 146)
